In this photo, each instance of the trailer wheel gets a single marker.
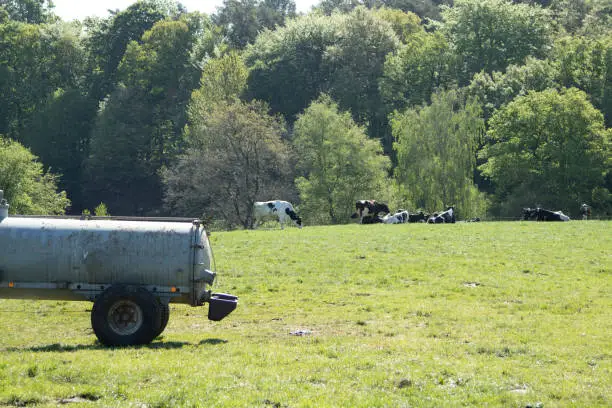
(126, 315)
(165, 316)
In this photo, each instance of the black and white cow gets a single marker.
(364, 208)
(417, 217)
(276, 210)
(585, 211)
(400, 217)
(547, 215)
(443, 217)
(540, 214)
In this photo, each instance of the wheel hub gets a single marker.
(125, 317)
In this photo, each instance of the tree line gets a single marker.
(487, 105)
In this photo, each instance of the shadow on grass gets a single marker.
(212, 342)
(63, 348)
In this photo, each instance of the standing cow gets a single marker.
(369, 208)
(276, 210)
(585, 211)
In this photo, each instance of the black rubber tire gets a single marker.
(126, 315)
(165, 316)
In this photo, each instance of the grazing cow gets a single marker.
(275, 210)
(443, 217)
(547, 215)
(365, 208)
(400, 217)
(585, 211)
(417, 217)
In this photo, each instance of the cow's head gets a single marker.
(297, 220)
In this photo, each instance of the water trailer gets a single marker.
(130, 268)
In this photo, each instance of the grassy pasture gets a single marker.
(509, 314)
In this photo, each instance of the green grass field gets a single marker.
(499, 314)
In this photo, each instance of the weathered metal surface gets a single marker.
(61, 258)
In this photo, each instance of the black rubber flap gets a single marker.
(220, 305)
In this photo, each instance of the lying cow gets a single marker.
(277, 210)
(540, 214)
(417, 217)
(364, 208)
(400, 217)
(547, 215)
(371, 219)
(443, 217)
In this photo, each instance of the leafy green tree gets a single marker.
(337, 162)
(356, 63)
(499, 88)
(570, 13)
(286, 65)
(242, 20)
(27, 187)
(422, 8)
(139, 131)
(423, 65)
(585, 63)
(583, 17)
(120, 169)
(29, 11)
(426, 9)
(598, 20)
(436, 154)
(543, 3)
(236, 157)
(223, 81)
(492, 34)
(273, 13)
(35, 60)
(403, 23)
(59, 135)
(342, 55)
(239, 20)
(108, 40)
(328, 7)
(550, 149)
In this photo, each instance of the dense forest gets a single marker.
(487, 105)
